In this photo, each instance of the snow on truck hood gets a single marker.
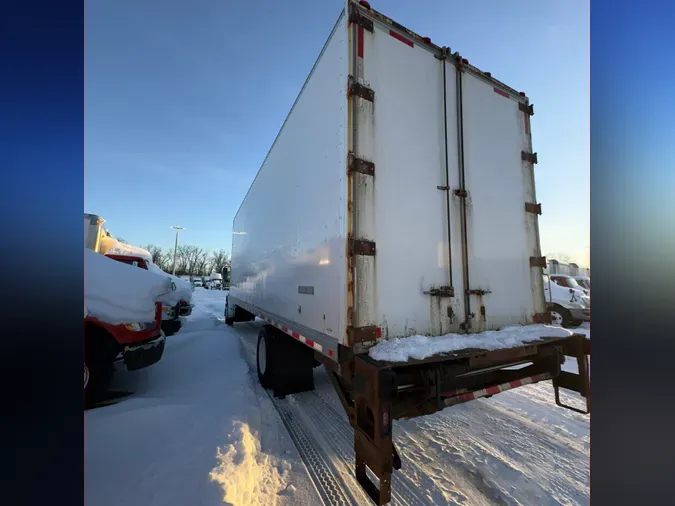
(117, 293)
(183, 289)
(111, 246)
(420, 347)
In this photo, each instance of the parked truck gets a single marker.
(175, 305)
(397, 200)
(122, 318)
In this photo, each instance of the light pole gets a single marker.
(175, 249)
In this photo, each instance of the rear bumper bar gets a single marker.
(458, 397)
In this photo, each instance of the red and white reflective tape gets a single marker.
(299, 337)
(501, 92)
(401, 38)
(460, 396)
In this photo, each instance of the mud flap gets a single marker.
(295, 372)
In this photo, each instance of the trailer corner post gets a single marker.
(374, 390)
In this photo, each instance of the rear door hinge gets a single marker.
(461, 193)
(360, 165)
(361, 247)
(359, 90)
(528, 157)
(533, 208)
(478, 292)
(362, 334)
(441, 291)
(527, 109)
(538, 262)
(357, 18)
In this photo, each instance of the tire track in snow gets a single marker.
(328, 487)
(340, 436)
(326, 480)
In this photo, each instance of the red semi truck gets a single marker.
(122, 317)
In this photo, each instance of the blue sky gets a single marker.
(183, 101)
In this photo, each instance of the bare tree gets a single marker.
(157, 254)
(203, 263)
(190, 260)
(219, 260)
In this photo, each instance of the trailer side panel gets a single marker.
(288, 252)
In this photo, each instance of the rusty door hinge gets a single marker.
(360, 165)
(528, 157)
(461, 193)
(477, 292)
(357, 18)
(542, 317)
(527, 109)
(441, 291)
(444, 188)
(361, 247)
(538, 262)
(362, 334)
(533, 208)
(359, 90)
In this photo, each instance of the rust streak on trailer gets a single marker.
(350, 202)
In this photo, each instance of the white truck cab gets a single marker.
(584, 282)
(567, 281)
(568, 307)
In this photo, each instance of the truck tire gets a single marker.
(284, 364)
(561, 316)
(265, 357)
(99, 363)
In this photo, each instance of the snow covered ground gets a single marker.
(200, 430)
(197, 430)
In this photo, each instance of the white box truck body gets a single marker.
(430, 125)
(398, 199)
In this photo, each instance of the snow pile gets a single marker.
(245, 474)
(117, 293)
(111, 246)
(420, 347)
